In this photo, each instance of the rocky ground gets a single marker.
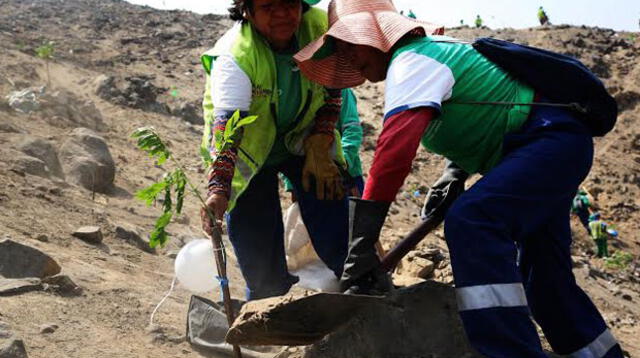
(69, 171)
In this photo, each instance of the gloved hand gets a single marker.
(444, 191)
(318, 163)
(362, 273)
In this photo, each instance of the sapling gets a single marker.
(45, 52)
(175, 184)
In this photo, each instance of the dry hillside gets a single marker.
(117, 67)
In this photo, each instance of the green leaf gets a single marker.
(167, 203)
(150, 193)
(206, 157)
(233, 130)
(180, 181)
(159, 236)
(149, 141)
(46, 51)
(231, 124)
(245, 121)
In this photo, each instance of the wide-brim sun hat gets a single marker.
(374, 23)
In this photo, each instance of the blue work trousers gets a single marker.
(583, 215)
(509, 239)
(256, 230)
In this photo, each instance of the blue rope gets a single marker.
(224, 282)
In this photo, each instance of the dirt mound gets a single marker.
(153, 58)
(422, 319)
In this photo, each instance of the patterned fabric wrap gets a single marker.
(221, 172)
(328, 115)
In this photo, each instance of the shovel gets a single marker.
(306, 320)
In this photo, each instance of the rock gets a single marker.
(63, 108)
(9, 128)
(30, 165)
(48, 328)
(13, 349)
(105, 87)
(87, 162)
(63, 286)
(60, 107)
(21, 261)
(627, 297)
(406, 281)
(189, 112)
(42, 238)
(135, 92)
(16, 286)
(416, 266)
(141, 93)
(172, 254)
(90, 234)
(131, 235)
(5, 330)
(26, 100)
(43, 150)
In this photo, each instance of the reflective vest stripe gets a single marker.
(491, 296)
(598, 348)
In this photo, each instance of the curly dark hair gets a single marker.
(239, 7)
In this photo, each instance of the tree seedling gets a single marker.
(175, 184)
(45, 52)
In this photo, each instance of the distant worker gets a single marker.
(478, 21)
(461, 22)
(542, 16)
(599, 234)
(411, 14)
(581, 207)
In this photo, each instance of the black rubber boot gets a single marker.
(362, 273)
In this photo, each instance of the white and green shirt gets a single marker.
(442, 73)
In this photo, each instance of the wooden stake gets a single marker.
(221, 264)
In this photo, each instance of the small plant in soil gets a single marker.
(45, 52)
(619, 260)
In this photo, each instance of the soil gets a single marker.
(154, 57)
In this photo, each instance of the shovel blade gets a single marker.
(295, 321)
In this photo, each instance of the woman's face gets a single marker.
(371, 62)
(276, 20)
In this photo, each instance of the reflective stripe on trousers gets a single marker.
(598, 348)
(491, 296)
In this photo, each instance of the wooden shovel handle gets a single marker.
(393, 257)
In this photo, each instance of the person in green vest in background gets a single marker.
(542, 16)
(479, 21)
(411, 14)
(581, 207)
(598, 229)
(351, 133)
(251, 70)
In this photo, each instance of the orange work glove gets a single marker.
(318, 163)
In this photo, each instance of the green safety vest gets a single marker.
(253, 55)
(597, 230)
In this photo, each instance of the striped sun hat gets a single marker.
(374, 23)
